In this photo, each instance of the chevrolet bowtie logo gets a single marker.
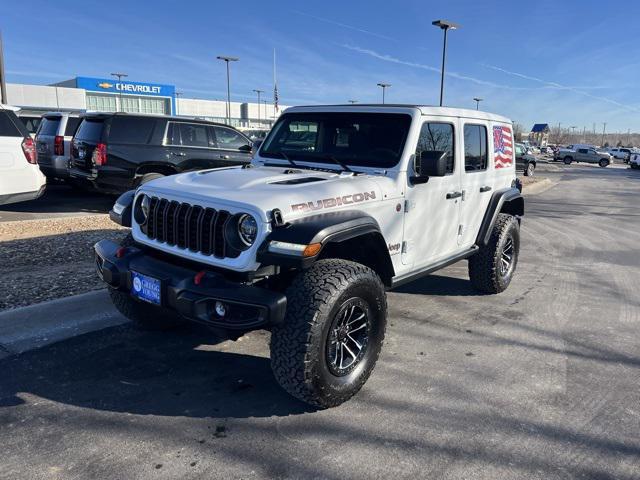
(105, 85)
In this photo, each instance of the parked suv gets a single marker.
(53, 142)
(634, 161)
(118, 151)
(20, 177)
(339, 204)
(525, 162)
(586, 155)
(621, 153)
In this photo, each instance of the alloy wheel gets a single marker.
(348, 337)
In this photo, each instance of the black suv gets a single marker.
(116, 152)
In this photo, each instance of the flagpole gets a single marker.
(275, 86)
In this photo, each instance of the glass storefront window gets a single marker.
(130, 103)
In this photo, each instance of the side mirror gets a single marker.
(245, 148)
(429, 163)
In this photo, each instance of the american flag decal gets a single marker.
(502, 147)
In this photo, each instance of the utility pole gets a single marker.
(227, 60)
(120, 77)
(258, 92)
(3, 80)
(584, 134)
(384, 87)
(558, 139)
(604, 128)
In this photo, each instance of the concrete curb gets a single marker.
(38, 325)
(538, 187)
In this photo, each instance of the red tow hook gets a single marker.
(120, 252)
(197, 279)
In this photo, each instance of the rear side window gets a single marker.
(7, 126)
(90, 130)
(439, 137)
(188, 134)
(31, 123)
(229, 139)
(475, 148)
(72, 126)
(583, 150)
(132, 130)
(49, 126)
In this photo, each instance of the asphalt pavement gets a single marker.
(58, 200)
(541, 381)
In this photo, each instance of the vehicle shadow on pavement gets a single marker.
(148, 373)
(439, 285)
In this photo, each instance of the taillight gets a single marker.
(58, 145)
(99, 156)
(29, 149)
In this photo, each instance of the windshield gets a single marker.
(357, 139)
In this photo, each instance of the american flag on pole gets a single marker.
(502, 147)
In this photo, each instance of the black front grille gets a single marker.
(192, 227)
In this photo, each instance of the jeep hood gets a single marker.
(296, 192)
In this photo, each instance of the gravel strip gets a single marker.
(45, 259)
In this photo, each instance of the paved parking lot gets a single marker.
(538, 382)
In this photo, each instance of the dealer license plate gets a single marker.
(145, 288)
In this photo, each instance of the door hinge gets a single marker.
(463, 195)
(405, 247)
(407, 206)
(460, 230)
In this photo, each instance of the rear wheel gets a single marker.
(331, 338)
(530, 170)
(492, 268)
(567, 160)
(603, 162)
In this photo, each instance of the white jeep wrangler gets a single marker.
(339, 204)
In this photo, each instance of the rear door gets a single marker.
(582, 155)
(46, 137)
(89, 134)
(233, 147)
(190, 146)
(477, 178)
(16, 174)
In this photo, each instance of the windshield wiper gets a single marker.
(286, 157)
(344, 166)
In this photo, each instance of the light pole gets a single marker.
(573, 133)
(478, 100)
(227, 60)
(444, 25)
(258, 92)
(384, 87)
(604, 128)
(178, 95)
(352, 101)
(120, 77)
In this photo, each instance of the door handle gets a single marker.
(451, 195)
(485, 189)
(224, 157)
(179, 154)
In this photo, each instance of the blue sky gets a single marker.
(575, 62)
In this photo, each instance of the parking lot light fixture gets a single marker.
(446, 26)
(178, 95)
(384, 86)
(120, 77)
(227, 60)
(352, 101)
(477, 100)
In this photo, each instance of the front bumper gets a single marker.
(248, 307)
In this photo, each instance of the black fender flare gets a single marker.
(325, 228)
(120, 213)
(508, 200)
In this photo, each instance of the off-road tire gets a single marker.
(299, 347)
(144, 316)
(603, 162)
(529, 171)
(567, 160)
(484, 266)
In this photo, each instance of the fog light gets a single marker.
(221, 309)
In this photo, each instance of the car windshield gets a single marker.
(357, 139)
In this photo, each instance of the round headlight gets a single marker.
(247, 229)
(141, 211)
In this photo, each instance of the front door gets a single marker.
(432, 208)
(233, 148)
(477, 176)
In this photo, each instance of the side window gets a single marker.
(72, 126)
(519, 150)
(475, 148)
(229, 139)
(7, 127)
(438, 136)
(583, 150)
(190, 135)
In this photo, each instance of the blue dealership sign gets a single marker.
(125, 87)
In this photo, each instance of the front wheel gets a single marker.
(530, 170)
(333, 331)
(603, 162)
(492, 268)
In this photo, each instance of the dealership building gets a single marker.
(109, 95)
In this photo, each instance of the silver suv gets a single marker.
(53, 141)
